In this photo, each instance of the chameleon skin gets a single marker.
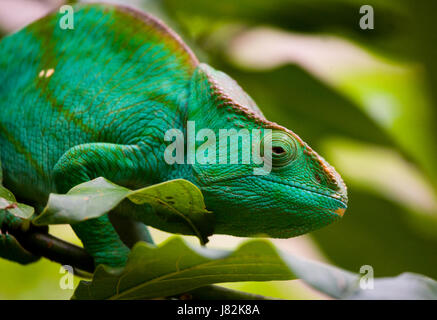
(97, 101)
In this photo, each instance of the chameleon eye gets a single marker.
(284, 148)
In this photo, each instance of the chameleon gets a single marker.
(97, 100)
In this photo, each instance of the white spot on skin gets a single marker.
(50, 72)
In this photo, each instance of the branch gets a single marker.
(57, 250)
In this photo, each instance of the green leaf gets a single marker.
(15, 215)
(175, 268)
(407, 286)
(179, 198)
(85, 201)
(175, 200)
(342, 284)
(10, 204)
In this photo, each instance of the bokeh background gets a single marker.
(364, 99)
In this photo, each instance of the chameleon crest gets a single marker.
(97, 101)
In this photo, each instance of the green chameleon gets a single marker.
(97, 100)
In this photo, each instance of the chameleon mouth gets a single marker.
(340, 197)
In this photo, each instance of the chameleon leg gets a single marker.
(118, 163)
(129, 230)
(10, 249)
(100, 239)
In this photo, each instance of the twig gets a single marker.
(52, 248)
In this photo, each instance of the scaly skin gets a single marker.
(97, 101)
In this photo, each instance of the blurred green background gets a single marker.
(364, 99)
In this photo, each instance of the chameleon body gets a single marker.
(97, 100)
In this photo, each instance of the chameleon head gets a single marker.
(300, 193)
